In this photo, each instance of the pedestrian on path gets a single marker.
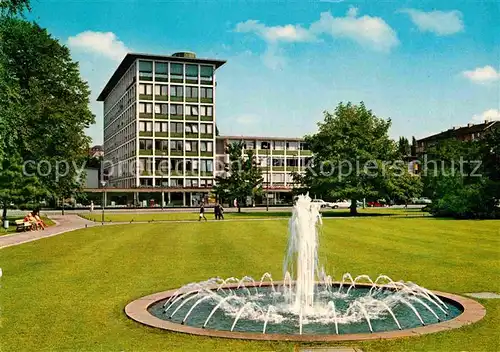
(202, 212)
(217, 211)
(91, 206)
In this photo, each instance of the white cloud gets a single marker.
(488, 115)
(286, 33)
(372, 32)
(482, 75)
(437, 22)
(101, 43)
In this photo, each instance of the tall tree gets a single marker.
(242, 178)
(13, 7)
(404, 148)
(349, 150)
(48, 110)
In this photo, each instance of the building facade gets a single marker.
(159, 124)
(463, 133)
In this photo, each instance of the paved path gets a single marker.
(63, 224)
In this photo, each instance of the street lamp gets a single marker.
(265, 145)
(103, 184)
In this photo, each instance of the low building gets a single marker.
(464, 133)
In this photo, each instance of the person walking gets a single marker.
(202, 212)
(91, 206)
(217, 211)
(221, 212)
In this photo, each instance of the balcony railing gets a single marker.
(206, 118)
(176, 134)
(145, 115)
(207, 100)
(161, 134)
(191, 118)
(145, 133)
(161, 116)
(145, 151)
(145, 97)
(207, 135)
(176, 98)
(161, 97)
(176, 117)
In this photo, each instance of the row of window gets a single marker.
(176, 127)
(118, 91)
(175, 165)
(177, 182)
(162, 70)
(176, 109)
(176, 91)
(274, 145)
(176, 145)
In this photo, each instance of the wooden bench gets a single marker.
(21, 225)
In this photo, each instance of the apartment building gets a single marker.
(469, 132)
(159, 122)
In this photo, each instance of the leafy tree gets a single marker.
(14, 7)
(461, 178)
(349, 150)
(401, 185)
(45, 113)
(243, 178)
(404, 148)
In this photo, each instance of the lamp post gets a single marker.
(103, 184)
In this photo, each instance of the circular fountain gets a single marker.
(307, 305)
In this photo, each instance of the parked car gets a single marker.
(421, 200)
(375, 204)
(321, 202)
(340, 204)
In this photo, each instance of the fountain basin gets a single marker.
(145, 310)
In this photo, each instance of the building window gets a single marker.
(176, 109)
(206, 110)
(278, 145)
(161, 145)
(265, 145)
(278, 162)
(191, 146)
(304, 146)
(206, 74)
(176, 182)
(145, 108)
(249, 144)
(191, 182)
(145, 89)
(191, 110)
(206, 183)
(176, 72)
(206, 146)
(278, 178)
(145, 126)
(176, 127)
(176, 146)
(146, 70)
(292, 145)
(192, 165)
(145, 144)
(192, 92)
(192, 128)
(192, 72)
(206, 93)
(161, 127)
(161, 90)
(161, 71)
(176, 91)
(206, 128)
(206, 165)
(161, 109)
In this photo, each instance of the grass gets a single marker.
(193, 215)
(68, 292)
(12, 224)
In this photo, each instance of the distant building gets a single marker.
(465, 133)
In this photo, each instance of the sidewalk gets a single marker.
(63, 224)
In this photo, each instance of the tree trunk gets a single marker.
(353, 208)
(4, 213)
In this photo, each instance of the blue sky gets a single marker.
(427, 65)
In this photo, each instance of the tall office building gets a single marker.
(159, 123)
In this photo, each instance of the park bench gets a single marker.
(21, 225)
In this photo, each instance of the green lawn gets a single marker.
(12, 224)
(68, 292)
(193, 215)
